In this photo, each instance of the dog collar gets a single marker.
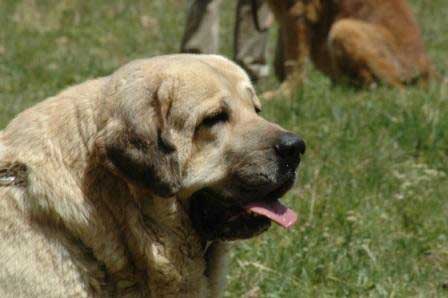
(13, 174)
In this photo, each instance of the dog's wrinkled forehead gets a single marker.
(212, 76)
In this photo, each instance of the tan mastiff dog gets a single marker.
(131, 185)
(360, 42)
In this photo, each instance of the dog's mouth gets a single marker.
(272, 209)
(215, 217)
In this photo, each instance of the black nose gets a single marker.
(290, 146)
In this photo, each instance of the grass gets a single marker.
(372, 191)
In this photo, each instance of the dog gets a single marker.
(135, 184)
(359, 42)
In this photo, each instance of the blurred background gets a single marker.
(372, 194)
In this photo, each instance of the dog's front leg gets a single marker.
(217, 259)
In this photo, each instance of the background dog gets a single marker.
(352, 41)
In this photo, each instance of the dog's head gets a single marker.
(188, 126)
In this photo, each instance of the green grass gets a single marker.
(373, 188)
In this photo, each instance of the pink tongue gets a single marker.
(275, 211)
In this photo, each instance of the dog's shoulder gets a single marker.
(32, 264)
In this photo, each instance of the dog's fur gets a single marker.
(361, 42)
(96, 182)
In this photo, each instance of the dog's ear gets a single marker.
(136, 144)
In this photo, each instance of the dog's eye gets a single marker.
(214, 119)
(257, 110)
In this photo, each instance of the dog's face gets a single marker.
(194, 131)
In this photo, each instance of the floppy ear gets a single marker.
(137, 145)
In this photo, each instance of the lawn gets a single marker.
(372, 192)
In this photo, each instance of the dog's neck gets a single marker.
(158, 236)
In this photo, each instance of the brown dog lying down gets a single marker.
(360, 42)
(130, 185)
